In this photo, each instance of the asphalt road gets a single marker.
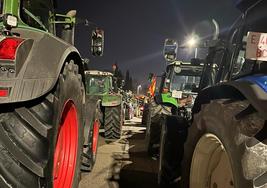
(123, 163)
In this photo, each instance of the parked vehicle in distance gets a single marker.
(99, 86)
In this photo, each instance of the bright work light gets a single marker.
(10, 21)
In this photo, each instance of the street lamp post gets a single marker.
(139, 87)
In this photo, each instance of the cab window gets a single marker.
(255, 22)
(97, 85)
(36, 13)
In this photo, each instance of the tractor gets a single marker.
(99, 86)
(226, 142)
(179, 89)
(180, 81)
(47, 134)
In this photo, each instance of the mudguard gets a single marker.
(40, 69)
(240, 89)
(166, 99)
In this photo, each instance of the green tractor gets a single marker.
(99, 86)
(180, 90)
(46, 135)
(178, 87)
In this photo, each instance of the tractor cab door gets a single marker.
(214, 64)
(249, 56)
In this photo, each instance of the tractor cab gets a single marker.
(98, 82)
(181, 79)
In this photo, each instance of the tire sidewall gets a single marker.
(214, 123)
(161, 155)
(148, 125)
(69, 88)
(96, 118)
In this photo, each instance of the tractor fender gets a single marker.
(166, 99)
(236, 90)
(251, 129)
(241, 89)
(40, 69)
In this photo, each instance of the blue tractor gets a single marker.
(226, 142)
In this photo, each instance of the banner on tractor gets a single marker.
(256, 46)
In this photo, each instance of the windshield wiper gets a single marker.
(34, 18)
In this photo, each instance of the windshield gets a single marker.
(182, 82)
(96, 85)
(36, 13)
(186, 54)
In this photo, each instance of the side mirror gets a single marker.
(170, 50)
(97, 45)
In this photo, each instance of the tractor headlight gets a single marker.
(10, 21)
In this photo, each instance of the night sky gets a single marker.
(135, 30)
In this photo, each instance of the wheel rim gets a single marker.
(95, 136)
(210, 167)
(65, 156)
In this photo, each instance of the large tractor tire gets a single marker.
(91, 145)
(153, 128)
(35, 135)
(221, 150)
(127, 113)
(145, 114)
(113, 122)
(173, 136)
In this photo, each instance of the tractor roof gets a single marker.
(98, 73)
